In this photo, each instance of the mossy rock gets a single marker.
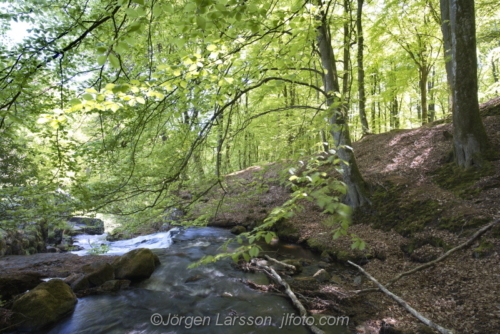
(136, 265)
(286, 231)
(296, 263)
(316, 245)
(44, 305)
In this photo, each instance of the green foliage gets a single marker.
(97, 249)
(124, 115)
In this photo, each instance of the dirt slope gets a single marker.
(422, 207)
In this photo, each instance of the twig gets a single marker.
(302, 311)
(286, 265)
(403, 303)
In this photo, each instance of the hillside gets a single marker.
(422, 207)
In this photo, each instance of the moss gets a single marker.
(485, 249)
(461, 223)
(296, 263)
(390, 210)
(286, 231)
(416, 243)
(316, 245)
(461, 181)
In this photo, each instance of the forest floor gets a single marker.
(422, 207)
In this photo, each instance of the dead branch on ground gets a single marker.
(403, 303)
(464, 245)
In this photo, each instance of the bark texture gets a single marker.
(470, 142)
(357, 194)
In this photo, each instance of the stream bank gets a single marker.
(422, 207)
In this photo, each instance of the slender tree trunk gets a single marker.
(357, 194)
(432, 104)
(494, 70)
(218, 153)
(470, 142)
(361, 71)
(395, 113)
(424, 76)
(374, 104)
(347, 55)
(446, 29)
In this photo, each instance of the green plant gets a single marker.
(98, 249)
(309, 183)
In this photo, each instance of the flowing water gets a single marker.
(206, 299)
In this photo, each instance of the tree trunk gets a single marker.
(395, 113)
(374, 104)
(470, 142)
(424, 75)
(361, 71)
(432, 104)
(357, 194)
(446, 30)
(494, 71)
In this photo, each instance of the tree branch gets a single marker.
(464, 245)
(403, 303)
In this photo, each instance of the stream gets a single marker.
(206, 299)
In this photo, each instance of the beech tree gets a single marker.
(470, 142)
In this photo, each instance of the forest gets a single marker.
(365, 131)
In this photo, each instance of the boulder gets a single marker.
(92, 226)
(98, 272)
(17, 283)
(81, 282)
(114, 285)
(44, 305)
(322, 276)
(238, 230)
(138, 264)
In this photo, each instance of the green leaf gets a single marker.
(140, 2)
(101, 60)
(246, 257)
(157, 10)
(114, 61)
(269, 237)
(75, 102)
(254, 252)
(201, 22)
(121, 47)
(134, 27)
(101, 49)
(88, 97)
(132, 12)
